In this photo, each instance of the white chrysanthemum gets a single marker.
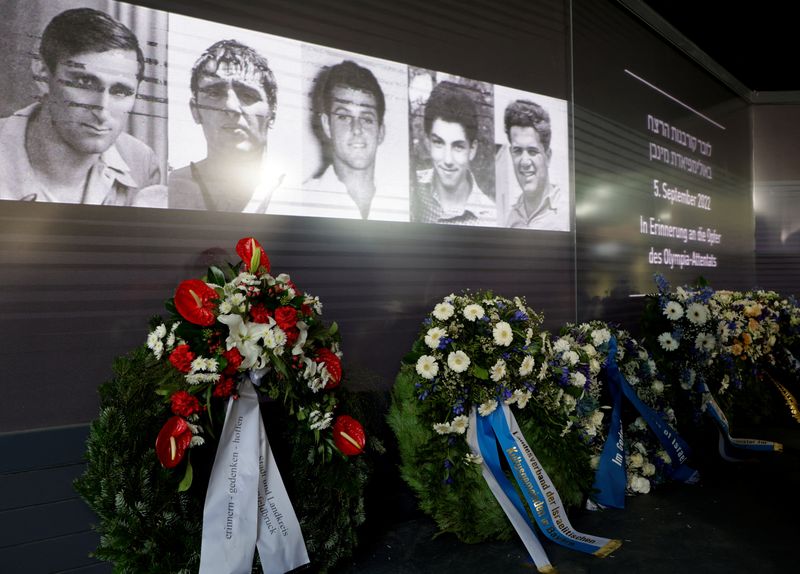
(639, 423)
(443, 311)
(600, 336)
(502, 333)
(589, 350)
(569, 402)
(203, 364)
(171, 340)
(658, 387)
(498, 371)
(473, 311)
(154, 343)
(434, 336)
(458, 361)
(225, 307)
(667, 342)
(442, 428)
(594, 366)
(648, 469)
(314, 303)
(673, 310)
(705, 341)
(158, 349)
(561, 345)
(636, 460)
(571, 357)
(639, 484)
(197, 441)
(578, 379)
(319, 421)
(197, 378)
(470, 458)
(460, 424)
(161, 330)
(528, 336)
(487, 408)
(316, 384)
(697, 313)
(427, 367)
(310, 370)
(662, 454)
(594, 462)
(521, 398)
(526, 368)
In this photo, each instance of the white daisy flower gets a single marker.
(697, 313)
(442, 428)
(470, 458)
(473, 311)
(487, 408)
(502, 333)
(433, 337)
(427, 367)
(673, 310)
(705, 341)
(443, 311)
(498, 371)
(667, 342)
(460, 424)
(522, 398)
(526, 368)
(458, 361)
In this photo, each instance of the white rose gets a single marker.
(635, 460)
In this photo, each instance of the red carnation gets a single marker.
(224, 388)
(181, 358)
(246, 247)
(172, 442)
(234, 359)
(259, 313)
(348, 435)
(306, 310)
(333, 365)
(286, 317)
(195, 301)
(185, 404)
(291, 336)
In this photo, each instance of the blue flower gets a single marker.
(519, 316)
(448, 463)
(662, 283)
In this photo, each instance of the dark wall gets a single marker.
(776, 196)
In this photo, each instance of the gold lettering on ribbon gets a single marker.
(791, 402)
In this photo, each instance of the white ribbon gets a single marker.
(246, 504)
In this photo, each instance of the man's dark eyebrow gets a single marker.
(344, 101)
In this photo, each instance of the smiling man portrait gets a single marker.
(71, 147)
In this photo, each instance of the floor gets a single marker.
(741, 517)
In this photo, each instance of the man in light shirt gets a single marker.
(448, 192)
(542, 205)
(71, 147)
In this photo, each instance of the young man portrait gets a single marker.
(71, 146)
(448, 191)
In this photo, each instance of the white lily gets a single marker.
(245, 337)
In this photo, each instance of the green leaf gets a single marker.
(216, 276)
(334, 329)
(479, 372)
(280, 365)
(186, 481)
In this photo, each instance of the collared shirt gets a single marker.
(120, 175)
(552, 215)
(187, 190)
(426, 207)
(327, 196)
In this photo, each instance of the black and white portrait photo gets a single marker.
(452, 174)
(83, 114)
(233, 114)
(355, 139)
(532, 160)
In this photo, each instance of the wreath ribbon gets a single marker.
(500, 427)
(610, 478)
(247, 507)
(711, 406)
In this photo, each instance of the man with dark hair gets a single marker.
(71, 146)
(233, 98)
(351, 109)
(448, 193)
(542, 204)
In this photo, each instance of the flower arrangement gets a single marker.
(481, 351)
(166, 402)
(726, 340)
(243, 320)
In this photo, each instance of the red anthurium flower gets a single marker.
(333, 365)
(348, 435)
(172, 442)
(185, 404)
(246, 247)
(195, 301)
